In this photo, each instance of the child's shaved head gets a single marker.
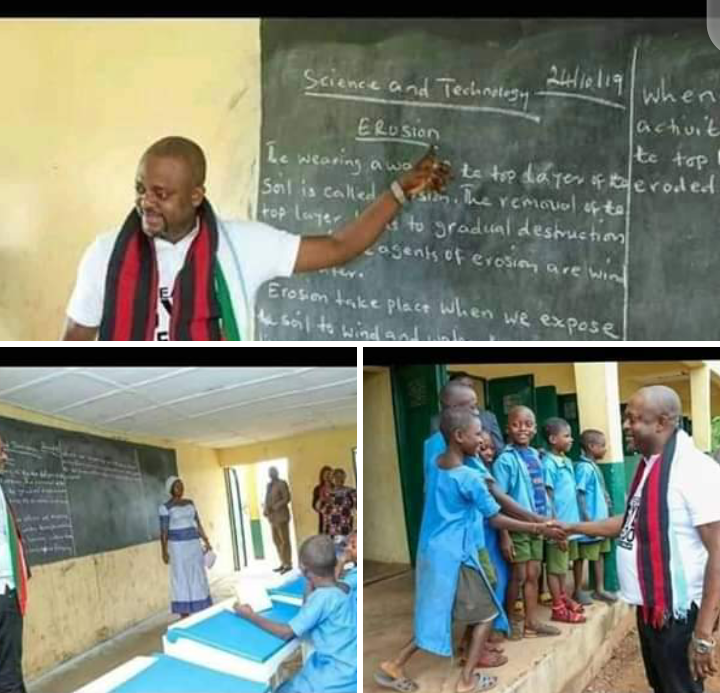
(520, 410)
(317, 554)
(455, 419)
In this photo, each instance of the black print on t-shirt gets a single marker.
(167, 304)
(627, 535)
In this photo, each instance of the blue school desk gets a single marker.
(290, 592)
(162, 674)
(219, 639)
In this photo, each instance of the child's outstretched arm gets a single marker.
(547, 529)
(511, 507)
(282, 630)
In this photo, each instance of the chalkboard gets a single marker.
(77, 494)
(585, 199)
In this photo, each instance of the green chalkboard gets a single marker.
(586, 155)
(77, 494)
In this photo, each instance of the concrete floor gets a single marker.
(373, 571)
(143, 639)
(561, 664)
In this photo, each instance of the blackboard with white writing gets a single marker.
(77, 494)
(585, 198)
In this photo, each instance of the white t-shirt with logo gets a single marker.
(262, 252)
(693, 500)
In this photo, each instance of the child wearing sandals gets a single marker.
(494, 544)
(451, 585)
(560, 484)
(594, 505)
(518, 473)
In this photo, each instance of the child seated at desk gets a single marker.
(328, 617)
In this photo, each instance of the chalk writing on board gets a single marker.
(586, 166)
(40, 499)
(76, 465)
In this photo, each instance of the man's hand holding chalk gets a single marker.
(429, 173)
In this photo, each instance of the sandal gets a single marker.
(482, 682)
(604, 597)
(487, 655)
(491, 647)
(404, 685)
(489, 660)
(517, 630)
(564, 614)
(582, 598)
(573, 605)
(541, 630)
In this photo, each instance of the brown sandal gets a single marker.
(541, 630)
(488, 660)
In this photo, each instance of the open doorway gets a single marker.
(253, 547)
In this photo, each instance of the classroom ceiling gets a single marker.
(213, 407)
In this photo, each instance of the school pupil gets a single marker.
(594, 505)
(562, 497)
(518, 472)
(498, 543)
(328, 617)
(451, 585)
(459, 395)
(348, 575)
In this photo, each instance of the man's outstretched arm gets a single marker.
(74, 332)
(319, 252)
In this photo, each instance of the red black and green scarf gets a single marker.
(201, 305)
(654, 561)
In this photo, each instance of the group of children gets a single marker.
(328, 618)
(491, 520)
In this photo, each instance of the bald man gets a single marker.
(668, 547)
(176, 271)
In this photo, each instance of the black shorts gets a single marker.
(473, 601)
(665, 654)
(11, 625)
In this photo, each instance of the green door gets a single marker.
(415, 392)
(505, 393)
(567, 405)
(546, 401)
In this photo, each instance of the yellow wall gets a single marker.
(384, 532)
(560, 375)
(74, 604)
(84, 99)
(306, 454)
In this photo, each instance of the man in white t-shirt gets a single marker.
(668, 544)
(176, 271)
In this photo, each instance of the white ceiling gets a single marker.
(213, 407)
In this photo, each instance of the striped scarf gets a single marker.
(658, 569)
(20, 569)
(202, 306)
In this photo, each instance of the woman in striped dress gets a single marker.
(180, 535)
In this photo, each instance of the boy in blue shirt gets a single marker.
(560, 484)
(594, 505)
(518, 473)
(451, 585)
(328, 616)
(349, 576)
